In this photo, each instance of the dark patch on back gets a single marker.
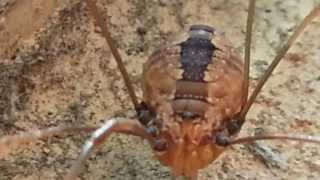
(196, 55)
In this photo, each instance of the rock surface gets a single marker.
(55, 70)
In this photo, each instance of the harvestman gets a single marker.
(195, 100)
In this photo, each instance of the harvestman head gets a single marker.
(148, 126)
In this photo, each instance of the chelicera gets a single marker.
(194, 104)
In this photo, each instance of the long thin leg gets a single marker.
(306, 21)
(226, 141)
(8, 143)
(246, 72)
(125, 126)
(300, 138)
(106, 34)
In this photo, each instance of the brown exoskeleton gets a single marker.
(195, 100)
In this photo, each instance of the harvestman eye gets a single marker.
(179, 115)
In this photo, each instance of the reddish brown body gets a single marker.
(211, 101)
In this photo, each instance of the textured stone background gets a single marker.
(55, 70)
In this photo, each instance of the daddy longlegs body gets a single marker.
(195, 100)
